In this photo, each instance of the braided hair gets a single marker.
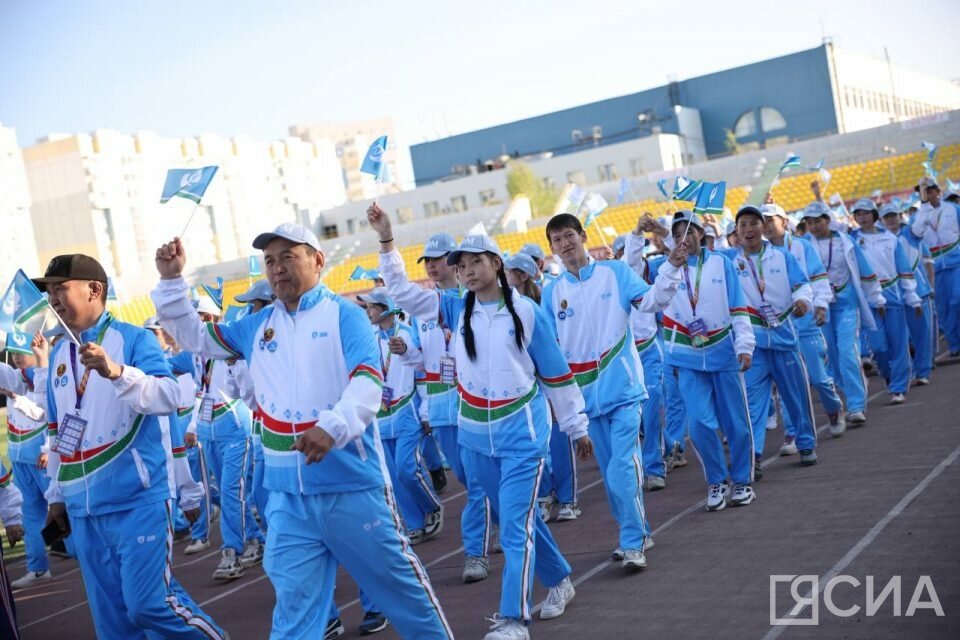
(468, 338)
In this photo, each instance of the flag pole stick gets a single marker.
(603, 236)
(63, 324)
(189, 218)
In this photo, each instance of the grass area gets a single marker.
(17, 552)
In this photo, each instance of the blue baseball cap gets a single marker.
(152, 323)
(685, 215)
(439, 245)
(619, 243)
(523, 262)
(889, 209)
(261, 290)
(865, 204)
(377, 296)
(291, 231)
(816, 209)
(533, 250)
(478, 243)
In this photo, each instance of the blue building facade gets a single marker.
(790, 96)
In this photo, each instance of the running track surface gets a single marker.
(882, 502)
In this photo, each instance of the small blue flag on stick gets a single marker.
(373, 161)
(215, 293)
(710, 198)
(187, 183)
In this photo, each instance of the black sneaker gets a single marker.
(757, 468)
(439, 478)
(373, 622)
(334, 629)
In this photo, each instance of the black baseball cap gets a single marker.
(73, 266)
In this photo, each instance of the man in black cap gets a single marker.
(108, 396)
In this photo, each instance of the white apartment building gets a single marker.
(19, 249)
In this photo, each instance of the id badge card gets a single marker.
(206, 409)
(69, 435)
(448, 370)
(387, 395)
(769, 316)
(698, 332)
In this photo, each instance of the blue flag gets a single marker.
(817, 166)
(710, 198)
(931, 149)
(793, 160)
(373, 161)
(253, 270)
(686, 189)
(19, 342)
(595, 206)
(623, 190)
(364, 274)
(928, 168)
(235, 312)
(111, 291)
(662, 185)
(187, 183)
(215, 293)
(22, 305)
(953, 186)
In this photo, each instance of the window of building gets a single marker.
(350, 225)
(636, 167)
(431, 209)
(607, 172)
(458, 203)
(577, 176)
(746, 125)
(771, 119)
(330, 231)
(487, 196)
(404, 214)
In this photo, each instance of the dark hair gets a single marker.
(563, 221)
(400, 314)
(468, 339)
(530, 289)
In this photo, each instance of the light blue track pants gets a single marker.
(787, 370)
(891, 347)
(475, 519)
(230, 462)
(32, 483)
(843, 349)
(947, 296)
(410, 478)
(813, 348)
(654, 442)
(560, 478)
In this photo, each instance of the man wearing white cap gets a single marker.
(813, 346)
(318, 383)
(938, 224)
(855, 290)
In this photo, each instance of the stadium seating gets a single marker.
(890, 174)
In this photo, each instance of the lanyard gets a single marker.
(207, 376)
(758, 280)
(694, 293)
(829, 253)
(82, 384)
(385, 364)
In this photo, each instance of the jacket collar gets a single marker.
(90, 335)
(308, 300)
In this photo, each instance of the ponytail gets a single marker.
(468, 338)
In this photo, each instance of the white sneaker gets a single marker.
(196, 546)
(214, 513)
(634, 559)
(475, 569)
(557, 600)
(772, 422)
(655, 483)
(252, 553)
(617, 554)
(506, 629)
(32, 578)
(922, 382)
(856, 417)
(229, 567)
(838, 424)
(742, 495)
(789, 446)
(546, 507)
(717, 496)
(647, 543)
(433, 524)
(568, 511)
(898, 398)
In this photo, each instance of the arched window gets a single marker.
(746, 125)
(771, 119)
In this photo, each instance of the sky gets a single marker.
(254, 68)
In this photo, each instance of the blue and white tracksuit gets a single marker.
(442, 401)
(118, 486)
(813, 346)
(709, 374)
(890, 340)
(591, 316)
(504, 423)
(774, 279)
(649, 344)
(939, 228)
(224, 436)
(26, 431)
(921, 328)
(318, 367)
(191, 492)
(11, 503)
(400, 430)
(855, 289)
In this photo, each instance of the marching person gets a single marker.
(813, 347)
(855, 290)
(315, 367)
(109, 463)
(938, 224)
(504, 350)
(890, 340)
(27, 450)
(708, 343)
(775, 288)
(589, 306)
